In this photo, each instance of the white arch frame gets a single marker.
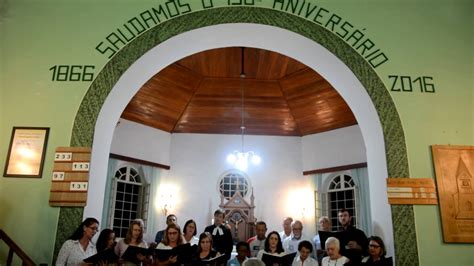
(266, 37)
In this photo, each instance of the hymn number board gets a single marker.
(70, 176)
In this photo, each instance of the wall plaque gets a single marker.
(454, 166)
(69, 181)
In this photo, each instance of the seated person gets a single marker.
(377, 253)
(334, 257)
(305, 249)
(243, 251)
(273, 246)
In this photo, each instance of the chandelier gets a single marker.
(241, 159)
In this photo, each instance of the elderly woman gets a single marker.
(79, 245)
(334, 257)
(377, 253)
(273, 246)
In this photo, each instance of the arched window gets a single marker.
(233, 181)
(129, 199)
(342, 195)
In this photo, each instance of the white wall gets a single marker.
(199, 160)
(333, 148)
(141, 142)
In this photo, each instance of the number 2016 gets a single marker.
(407, 84)
(72, 73)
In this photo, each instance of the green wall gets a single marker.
(426, 38)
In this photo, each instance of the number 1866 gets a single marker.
(72, 73)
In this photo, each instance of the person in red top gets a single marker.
(258, 242)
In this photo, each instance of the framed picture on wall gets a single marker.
(25, 157)
(454, 166)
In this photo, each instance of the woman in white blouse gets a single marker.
(334, 257)
(79, 246)
(273, 246)
(134, 237)
(189, 233)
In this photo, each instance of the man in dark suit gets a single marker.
(221, 236)
(355, 243)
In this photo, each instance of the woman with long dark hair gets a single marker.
(79, 245)
(273, 245)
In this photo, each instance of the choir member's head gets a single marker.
(205, 242)
(261, 230)
(171, 219)
(376, 247)
(172, 236)
(344, 217)
(87, 229)
(297, 229)
(135, 231)
(190, 228)
(305, 248)
(287, 225)
(243, 249)
(332, 247)
(218, 217)
(324, 223)
(273, 243)
(106, 240)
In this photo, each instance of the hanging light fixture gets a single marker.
(240, 159)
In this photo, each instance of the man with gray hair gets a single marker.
(290, 244)
(286, 228)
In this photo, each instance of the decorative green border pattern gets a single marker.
(397, 162)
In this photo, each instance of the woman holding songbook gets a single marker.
(377, 253)
(79, 245)
(189, 232)
(273, 246)
(171, 239)
(334, 257)
(106, 240)
(133, 238)
(205, 251)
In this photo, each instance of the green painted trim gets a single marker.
(397, 162)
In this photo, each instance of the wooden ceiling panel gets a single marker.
(202, 93)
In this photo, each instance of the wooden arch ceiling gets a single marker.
(202, 93)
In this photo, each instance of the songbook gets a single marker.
(285, 260)
(130, 254)
(218, 260)
(184, 253)
(106, 256)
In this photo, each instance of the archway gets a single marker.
(304, 41)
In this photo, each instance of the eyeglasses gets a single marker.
(172, 233)
(94, 228)
(373, 246)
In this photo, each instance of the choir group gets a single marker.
(215, 245)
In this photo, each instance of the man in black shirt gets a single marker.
(355, 242)
(221, 236)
